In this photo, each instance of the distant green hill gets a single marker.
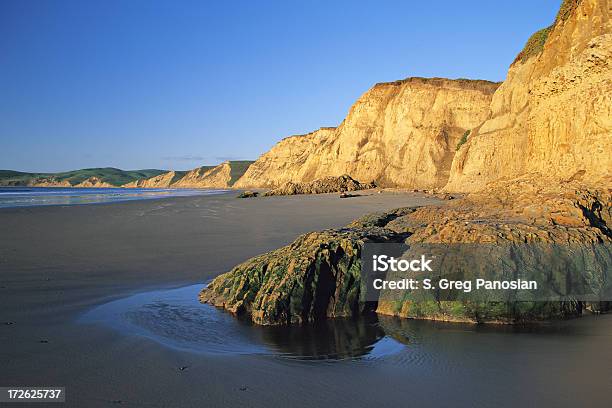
(116, 177)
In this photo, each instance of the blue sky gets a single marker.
(179, 84)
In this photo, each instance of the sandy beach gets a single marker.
(59, 262)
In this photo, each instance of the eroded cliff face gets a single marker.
(216, 177)
(553, 114)
(285, 161)
(537, 169)
(401, 133)
(162, 181)
(222, 176)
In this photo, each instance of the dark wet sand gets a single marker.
(58, 262)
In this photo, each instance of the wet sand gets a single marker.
(57, 263)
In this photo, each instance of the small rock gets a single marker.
(244, 388)
(248, 194)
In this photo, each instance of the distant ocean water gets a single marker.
(36, 196)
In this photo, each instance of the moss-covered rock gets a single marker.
(315, 277)
(319, 275)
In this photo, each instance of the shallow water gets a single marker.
(427, 363)
(176, 319)
(36, 196)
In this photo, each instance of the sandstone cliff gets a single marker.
(222, 176)
(164, 180)
(401, 133)
(538, 168)
(553, 114)
(285, 161)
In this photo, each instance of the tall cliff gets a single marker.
(401, 133)
(286, 160)
(553, 114)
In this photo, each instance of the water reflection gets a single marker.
(330, 339)
(176, 319)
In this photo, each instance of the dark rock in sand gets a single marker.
(248, 194)
(318, 276)
(315, 277)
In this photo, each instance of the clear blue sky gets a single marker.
(178, 84)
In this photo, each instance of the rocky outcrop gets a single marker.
(325, 185)
(530, 210)
(318, 276)
(538, 166)
(401, 133)
(553, 113)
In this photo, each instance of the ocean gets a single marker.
(37, 196)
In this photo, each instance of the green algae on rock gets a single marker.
(320, 274)
(316, 277)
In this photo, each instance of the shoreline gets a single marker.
(59, 262)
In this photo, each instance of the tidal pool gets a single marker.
(567, 352)
(175, 318)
